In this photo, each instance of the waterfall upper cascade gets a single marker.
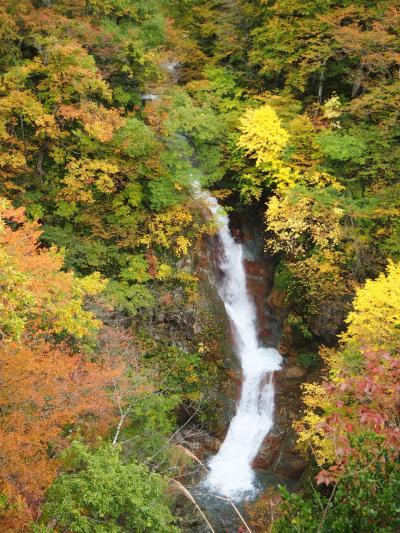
(231, 472)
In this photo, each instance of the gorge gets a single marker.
(231, 471)
(199, 266)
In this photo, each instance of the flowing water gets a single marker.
(230, 471)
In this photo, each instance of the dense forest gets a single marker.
(109, 110)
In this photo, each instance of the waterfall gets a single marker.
(230, 471)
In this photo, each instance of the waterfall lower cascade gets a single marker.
(230, 471)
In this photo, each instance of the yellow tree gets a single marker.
(376, 316)
(298, 222)
(264, 140)
(263, 137)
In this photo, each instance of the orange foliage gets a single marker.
(98, 121)
(35, 291)
(47, 395)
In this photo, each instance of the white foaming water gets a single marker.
(231, 472)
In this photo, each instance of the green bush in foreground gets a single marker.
(98, 493)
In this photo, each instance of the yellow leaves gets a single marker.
(382, 232)
(164, 271)
(285, 176)
(84, 176)
(167, 230)
(192, 378)
(376, 316)
(332, 110)
(288, 221)
(334, 361)
(186, 277)
(90, 285)
(104, 182)
(23, 106)
(310, 434)
(117, 9)
(320, 179)
(296, 219)
(182, 245)
(263, 137)
(202, 348)
(61, 307)
(98, 121)
(15, 78)
(74, 320)
(11, 162)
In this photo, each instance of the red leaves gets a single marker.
(365, 387)
(324, 477)
(367, 401)
(372, 418)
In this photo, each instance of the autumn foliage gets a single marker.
(48, 392)
(360, 392)
(35, 289)
(48, 395)
(109, 109)
(352, 403)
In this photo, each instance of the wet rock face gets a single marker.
(276, 302)
(329, 322)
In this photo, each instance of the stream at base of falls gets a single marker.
(230, 471)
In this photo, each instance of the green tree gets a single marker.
(99, 493)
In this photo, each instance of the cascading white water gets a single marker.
(231, 472)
